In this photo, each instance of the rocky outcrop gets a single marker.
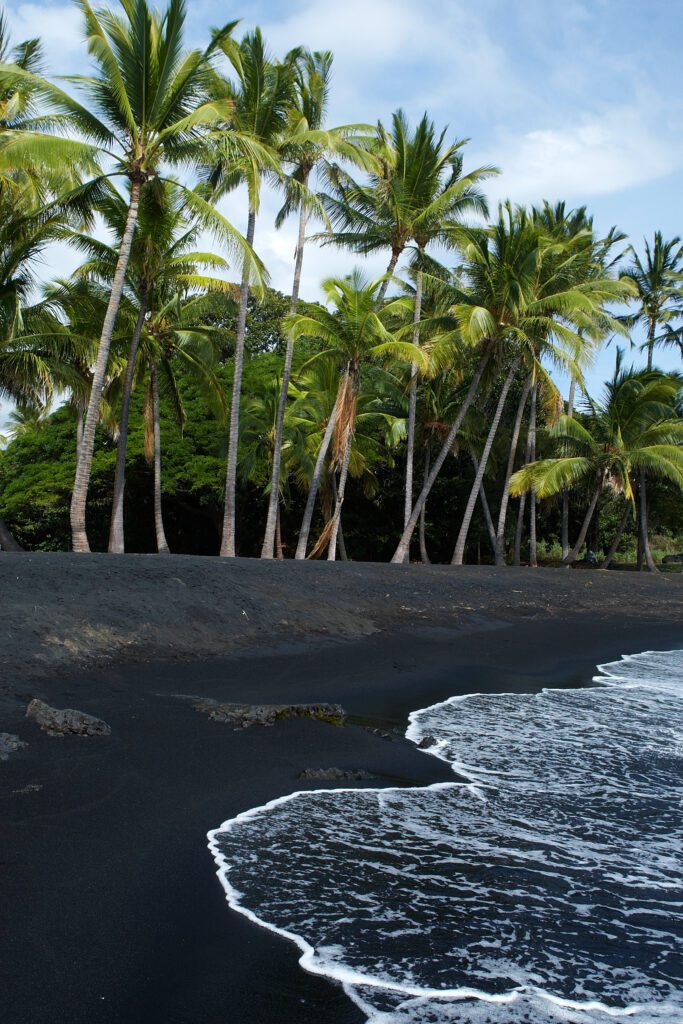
(242, 716)
(9, 744)
(335, 775)
(65, 721)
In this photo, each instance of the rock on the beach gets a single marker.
(241, 716)
(9, 744)
(65, 721)
(335, 774)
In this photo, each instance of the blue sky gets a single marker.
(574, 100)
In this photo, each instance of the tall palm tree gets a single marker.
(175, 335)
(569, 224)
(163, 262)
(418, 195)
(658, 282)
(147, 106)
(306, 144)
(634, 429)
(517, 293)
(354, 333)
(262, 94)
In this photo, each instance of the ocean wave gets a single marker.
(547, 886)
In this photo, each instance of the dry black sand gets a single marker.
(111, 911)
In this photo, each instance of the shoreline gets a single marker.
(115, 909)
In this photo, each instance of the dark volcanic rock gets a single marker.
(65, 721)
(426, 742)
(9, 744)
(241, 716)
(335, 774)
(382, 733)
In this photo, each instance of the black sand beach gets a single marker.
(111, 907)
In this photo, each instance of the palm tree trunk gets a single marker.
(533, 560)
(162, 544)
(79, 431)
(279, 553)
(521, 509)
(423, 540)
(565, 494)
(519, 530)
(459, 552)
(315, 485)
(79, 536)
(499, 542)
(644, 553)
(385, 284)
(343, 476)
(116, 536)
(644, 531)
(488, 519)
(7, 541)
(228, 540)
(340, 534)
(412, 408)
(571, 557)
(606, 562)
(404, 543)
(267, 549)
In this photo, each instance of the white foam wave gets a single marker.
(540, 890)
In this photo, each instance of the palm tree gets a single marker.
(305, 145)
(658, 284)
(519, 293)
(418, 195)
(354, 333)
(262, 95)
(379, 428)
(147, 106)
(175, 334)
(564, 224)
(633, 430)
(163, 262)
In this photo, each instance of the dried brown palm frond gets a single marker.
(347, 404)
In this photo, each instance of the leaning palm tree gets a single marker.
(634, 429)
(355, 334)
(305, 145)
(509, 304)
(147, 106)
(566, 225)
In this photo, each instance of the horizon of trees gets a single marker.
(414, 411)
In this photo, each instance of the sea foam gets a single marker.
(546, 886)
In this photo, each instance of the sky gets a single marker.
(577, 100)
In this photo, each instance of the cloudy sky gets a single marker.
(573, 99)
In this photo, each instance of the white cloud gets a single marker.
(391, 53)
(587, 155)
(59, 26)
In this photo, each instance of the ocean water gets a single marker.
(544, 885)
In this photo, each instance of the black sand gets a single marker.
(111, 911)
